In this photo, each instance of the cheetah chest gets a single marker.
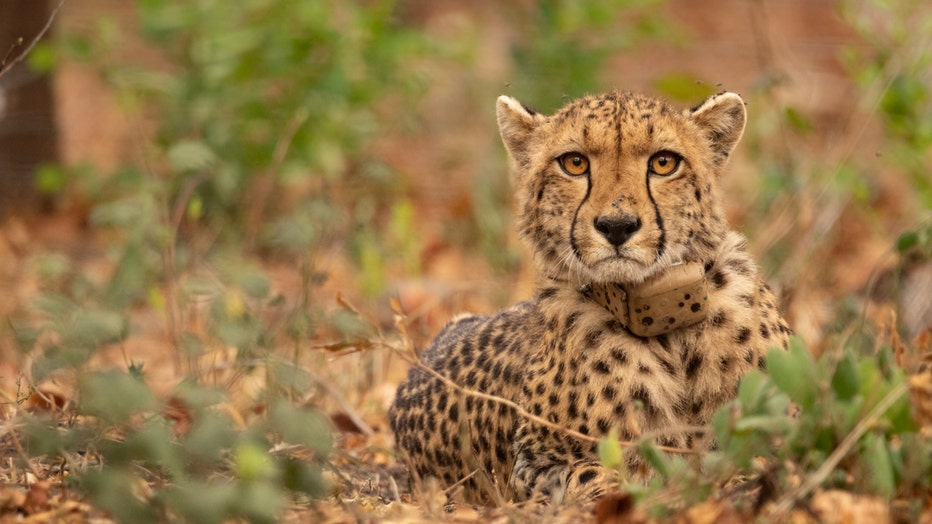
(592, 375)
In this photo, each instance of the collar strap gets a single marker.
(673, 299)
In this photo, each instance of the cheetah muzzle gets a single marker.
(648, 311)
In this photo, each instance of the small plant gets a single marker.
(841, 421)
(142, 459)
(261, 113)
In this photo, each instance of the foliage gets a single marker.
(898, 59)
(567, 45)
(840, 421)
(198, 467)
(159, 456)
(264, 110)
(819, 171)
(261, 112)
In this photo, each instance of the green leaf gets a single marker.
(43, 58)
(111, 489)
(250, 278)
(94, 328)
(655, 458)
(907, 241)
(115, 396)
(900, 417)
(288, 376)
(252, 463)
(722, 424)
(793, 372)
(198, 397)
(349, 324)
(51, 266)
(610, 453)
(191, 155)
(769, 424)
(53, 305)
(210, 435)
(154, 444)
(797, 120)
(201, 501)
(683, 87)
(298, 476)
(301, 426)
(50, 179)
(128, 283)
(753, 390)
(880, 475)
(845, 380)
(259, 501)
(24, 333)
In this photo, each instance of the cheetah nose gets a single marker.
(617, 230)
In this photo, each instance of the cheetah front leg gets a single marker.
(555, 474)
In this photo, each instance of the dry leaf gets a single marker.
(920, 396)
(46, 397)
(11, 499)
(841, 507)
(712, 512)
(345, 423)
(345, 304)
(617, 508)
(178, 411)
(37, 498)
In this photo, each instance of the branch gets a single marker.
(7, 66)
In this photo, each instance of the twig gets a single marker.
(344, 404)
(265, 182)
(334, 393)
(7, 66)
(460, 482)
(22, 454)
(785, 504)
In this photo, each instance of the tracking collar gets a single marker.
(676, 298)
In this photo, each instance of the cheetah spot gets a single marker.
(587, 476)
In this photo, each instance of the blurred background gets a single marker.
(211, 188)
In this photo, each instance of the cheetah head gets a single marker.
(618, 187)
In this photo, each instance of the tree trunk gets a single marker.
(28, 134)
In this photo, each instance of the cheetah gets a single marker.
(647, 313)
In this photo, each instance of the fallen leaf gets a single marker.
(345, 423)
(178, 411)
(920, 396)
(712, 512)
(37, 498)
(617, 508)
(841, 507)
(11, 499)
(46, 397)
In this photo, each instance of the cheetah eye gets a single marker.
(574, 164)
(663, 163)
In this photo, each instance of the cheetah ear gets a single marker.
(722, 117)
(516, 123)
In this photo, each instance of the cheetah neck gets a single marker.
(670, 300)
